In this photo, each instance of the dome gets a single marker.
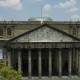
(40, 19)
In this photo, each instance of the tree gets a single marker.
(8, 73)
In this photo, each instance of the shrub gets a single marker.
(8, 73)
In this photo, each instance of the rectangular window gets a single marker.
(9, 31)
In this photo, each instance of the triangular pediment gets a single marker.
(45, 33)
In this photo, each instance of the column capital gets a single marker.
(50, 48)
(40, 49)
(8, 47)
(19, 49)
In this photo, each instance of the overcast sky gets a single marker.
(56, 9)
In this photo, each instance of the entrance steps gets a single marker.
(53, 78)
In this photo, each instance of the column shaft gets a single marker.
(50, 63)
(70, 62)
(19, 61)
(39, 66)
(9, 59)
(79, 63)
(4, 56)
(29, 63)
(73, 58)
(60, 63)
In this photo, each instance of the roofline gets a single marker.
(38, 22)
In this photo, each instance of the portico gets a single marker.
(44, 52)
(44, 61)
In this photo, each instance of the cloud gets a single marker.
(74, 9)
(47, 7)
(70, 5)
(1, 18)
(37, 0)
(66, 4)
(15, 4)
(75, 17)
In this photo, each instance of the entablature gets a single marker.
(44, 45)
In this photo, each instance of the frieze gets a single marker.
(68, 45)
(60, 45)
(45, 45)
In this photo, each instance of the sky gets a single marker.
(58, 10)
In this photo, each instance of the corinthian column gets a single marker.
(4, 56)
(29, 62)
(77, 60)
(39, 65)
(79, 64)
(9, 58)
(19, 61)
(70, 62)
(60, 63)
(50, 63)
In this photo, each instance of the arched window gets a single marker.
(9, 31)
(1, 31)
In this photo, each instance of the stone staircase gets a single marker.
(53, 78)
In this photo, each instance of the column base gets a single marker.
(40, 77)
(69, 76)
(60, 75)
(79, 75)
(30, 77)
(50, 76)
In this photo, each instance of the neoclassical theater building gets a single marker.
(43, 48)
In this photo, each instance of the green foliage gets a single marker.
(7, 73)
(1, 64)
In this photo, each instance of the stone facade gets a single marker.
(19, 27)
(46, 50)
